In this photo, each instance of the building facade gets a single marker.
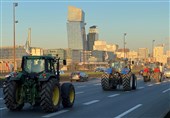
(143, 53)
(158, 54)
(121, 53)
(53, 52)
(132, 55)
(92, 37)
(168, 53)
(35, 51)
(158, 51)
(76, 29)
(7, 57)
(103, 46)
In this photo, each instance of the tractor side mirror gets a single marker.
(64, 62)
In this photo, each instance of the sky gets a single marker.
(142, 20)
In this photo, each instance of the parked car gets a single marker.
(167, 73)
(78, 76)
(61, 72)
(100, 69)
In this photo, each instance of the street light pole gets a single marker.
(153, 48)
(14, 21)
(124, 43)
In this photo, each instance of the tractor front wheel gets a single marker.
(68, 95)
(50, 96)
(134, 82)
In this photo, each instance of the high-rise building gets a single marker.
(76, 28)
(91, 37)
(143, 53)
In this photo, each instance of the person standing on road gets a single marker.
(161, 69)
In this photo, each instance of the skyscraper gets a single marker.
(76, 28)
(91, 37)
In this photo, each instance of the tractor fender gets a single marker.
(46, 77)
(15, 76)
(108, 70)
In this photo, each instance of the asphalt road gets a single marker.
(150, 100)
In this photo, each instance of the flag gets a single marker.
(106, 56)
(7, 66)
(27, 47)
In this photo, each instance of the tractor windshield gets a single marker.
(34, 65)
(118, 65)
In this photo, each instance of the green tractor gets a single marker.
(39, 85)
(119, 74)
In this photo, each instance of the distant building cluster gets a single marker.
(7, 55)
(82, 49)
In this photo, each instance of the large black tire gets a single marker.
(82, 79)
(105, 82)
(12, 97)
(50, 95)
(127, 82)
(134, 82)
(145, 78)
(68, 95)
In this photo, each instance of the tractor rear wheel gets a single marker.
(68, 95)
(12, 96)
(127, 82)
(105, 82)
(50, 96)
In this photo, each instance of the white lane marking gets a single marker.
(128, 111)
(3, 108)
(141, 87)
(97, 84)
(150, 85)
(91, 102)
(54, 114)
(1, 98)
(166, 90)
(114, 95)
(79, 92)
(81, 86)
(165, 81)
(158, 83)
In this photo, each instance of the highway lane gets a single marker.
(149, 100)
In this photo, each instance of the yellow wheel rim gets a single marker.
(56, 95)
(72, 95)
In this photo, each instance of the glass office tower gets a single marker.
(92, 37)
(76, 29)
